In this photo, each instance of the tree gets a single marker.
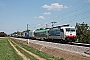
(41, 28)
(2, 34)
(15, 32)
(83, 32)
(26, 31)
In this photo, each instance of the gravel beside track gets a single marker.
(71, 48)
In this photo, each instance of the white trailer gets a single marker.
(31, 34)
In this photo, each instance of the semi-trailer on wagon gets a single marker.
(41, 34)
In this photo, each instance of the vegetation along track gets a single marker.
(44, 56)
(22, 55)
(7, 52)
(18, 52)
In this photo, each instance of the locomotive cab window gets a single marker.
(70, 29)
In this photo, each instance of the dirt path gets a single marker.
(36, 56)
(18, 52)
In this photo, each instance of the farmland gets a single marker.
(6, 51)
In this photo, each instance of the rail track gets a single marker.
(71, 43)
(79, 44)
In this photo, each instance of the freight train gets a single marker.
(61, 33)
(64, 33)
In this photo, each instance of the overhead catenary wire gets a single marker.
(62, 17)
(76, 15)
(74, 10)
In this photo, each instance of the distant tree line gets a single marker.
(20, 33)
(83, 32)
(2, 34)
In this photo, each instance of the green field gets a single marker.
(6, 51)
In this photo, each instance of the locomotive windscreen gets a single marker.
(70, 29)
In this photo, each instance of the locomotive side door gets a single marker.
(62, 34)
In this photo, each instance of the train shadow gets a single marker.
(54, 41)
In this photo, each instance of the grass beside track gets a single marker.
(37, 52)
(7, 52)
(25, 53)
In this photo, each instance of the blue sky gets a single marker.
(16, 14)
